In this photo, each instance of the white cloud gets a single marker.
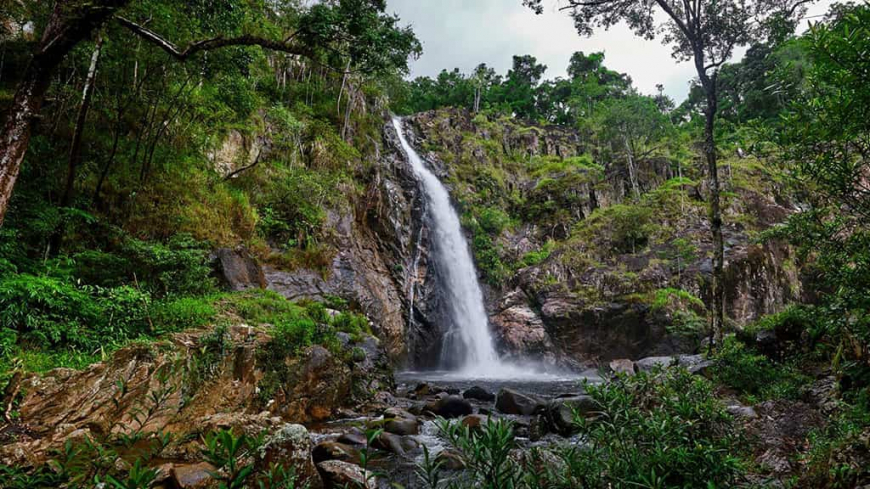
(463, 33)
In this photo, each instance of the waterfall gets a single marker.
(468, 341)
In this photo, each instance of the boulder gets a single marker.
(510, 401)
(742, 412)
(474, 421)
(449, 407)
(649, 363)
(622, 366)
(389, 442)
(559, 413)
(450, 460)
(696, 364)
(353, 437)
(192, 476)
(402, 426)
(291, 447)
(238, 270)
(343, 475)
(332, 450)
(479, 394)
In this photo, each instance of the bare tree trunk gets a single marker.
(70, 22)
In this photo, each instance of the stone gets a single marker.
(743, 412)
(238, 270)
(353, 437)
(192, 476)
(474, 421)
(331, 450)
(696, 364)
(343, 475)
(559, 413)
(622, 366)
(291, 447)
(450, 460)
(395, 412)
(510, 401)
(450, 407)
(389, 442)
(402, 426)
(479, 394)
(649, 363)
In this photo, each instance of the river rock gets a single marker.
(450, 407)
(510, 401)
(193, 476)
(402, 426)
(649, 363)
(450, 460)
(622, 366)
(341, 475)
(353, 437)
(474, 421)
(479, 394)
(331, 450)
(291, 447)
(389, 442)
(559, 413)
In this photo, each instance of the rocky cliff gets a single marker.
(581, 270)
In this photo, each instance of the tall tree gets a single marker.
(705, 32)
(329, 33)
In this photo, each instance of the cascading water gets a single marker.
(469, 340)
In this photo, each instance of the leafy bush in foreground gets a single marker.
(653, 430)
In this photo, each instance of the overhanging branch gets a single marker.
(209, 44)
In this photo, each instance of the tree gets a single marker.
(520, 85)
(825, 138)
(637, 128)
(706, 32)
(329, 33)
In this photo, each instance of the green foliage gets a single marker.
(183, 313)
(755, 375)
(485, 452)
(660, 429)
(626, 228)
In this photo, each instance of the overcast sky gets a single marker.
(464, 33)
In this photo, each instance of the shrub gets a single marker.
(47, 311)
(658, 429)
(493, 220)
(753, 374)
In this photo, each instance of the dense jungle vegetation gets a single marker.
(106, 231)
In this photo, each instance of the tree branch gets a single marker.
(209, 44)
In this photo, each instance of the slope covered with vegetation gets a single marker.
(163, 132)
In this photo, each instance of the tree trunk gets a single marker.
(75, 152)
(70, 23)
(632, 170)
(717, 319)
